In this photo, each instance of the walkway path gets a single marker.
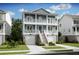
(75, 49)
(35, 49)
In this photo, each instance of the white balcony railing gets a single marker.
(42, 31)
(40, 21)
(30, 31)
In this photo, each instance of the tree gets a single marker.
(16, 33)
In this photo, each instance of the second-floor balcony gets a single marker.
(40, 21)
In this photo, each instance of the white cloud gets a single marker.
(54, 8)
(22, 9)
(60, 7)
(66, 12)
(11, 13)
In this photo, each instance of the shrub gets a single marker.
(41, 44)
(60, 41)
(51, 43)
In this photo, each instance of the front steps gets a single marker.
(43, 38)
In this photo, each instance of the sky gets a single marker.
(16, 9)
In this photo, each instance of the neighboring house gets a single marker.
(40, 23)
(69, 27)
(5, 25)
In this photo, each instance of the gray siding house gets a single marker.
(5, 25)
(39, 24)
(69, 27)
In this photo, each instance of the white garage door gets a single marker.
(0, 40)
(30, 39)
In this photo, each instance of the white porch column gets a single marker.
(42, 28)
(23, 19)
(47, 23)
(35, 22)
(3, 27)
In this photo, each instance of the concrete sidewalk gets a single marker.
(75, 49)
(35, 49)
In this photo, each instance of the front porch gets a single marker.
(35, 29)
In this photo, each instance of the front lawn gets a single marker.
(72, 44)
(13, 53)
(53, 47)
(18, 47)
(62, 50)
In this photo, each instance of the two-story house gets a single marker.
(69, 27)
(5, 25)
(40, 23)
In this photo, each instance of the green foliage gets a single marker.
(59, 34)
(60, 41)
(41, 44)
(60, 38)
(37, 41)
(51, 43)
(16, 34)
(17, 30)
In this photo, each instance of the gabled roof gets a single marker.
(41, 10)
(72, 16)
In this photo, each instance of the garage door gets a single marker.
(30, 39)
(0, 40)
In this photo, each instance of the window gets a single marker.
(77, 29)
(56, 28)
(1, 26)
(53, 16)
(76, 21)
(74, 29)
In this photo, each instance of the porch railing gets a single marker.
(39, 21)
(33, 31)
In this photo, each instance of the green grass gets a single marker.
(62, 50)
(13, 53)
(53, 47)
(18, 47)
(72, 44)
